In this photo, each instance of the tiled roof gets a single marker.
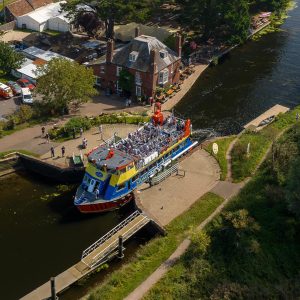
(143, 45)
(22, 7)
(19, 8)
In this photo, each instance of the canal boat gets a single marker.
(118, 167)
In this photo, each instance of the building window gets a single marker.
(163, 53)
(97, 81)
(163, 76)
(172, 69)
(133, 56)
(138, 79)
(102, 69)
(119, 89)
(138, 91)
(119, 69)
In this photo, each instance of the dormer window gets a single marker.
(133, 56)
(163, 53)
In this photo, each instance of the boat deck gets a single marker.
(273, 111)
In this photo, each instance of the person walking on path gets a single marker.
(297, 116)
(81, 131)
(101, 131)
(52, 152)
(63, 150)
(74, 133)
(43, 131)
(47, 137)
(129, 102)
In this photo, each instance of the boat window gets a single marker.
(134, 178)
(121, 186)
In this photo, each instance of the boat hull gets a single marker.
(104, 206)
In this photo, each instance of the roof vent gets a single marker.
(163, 53)
(133, 56)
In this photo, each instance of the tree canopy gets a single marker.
(113, 11)
(61, 82)
(9, 58)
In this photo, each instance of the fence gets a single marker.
(8, 26)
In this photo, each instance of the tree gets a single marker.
(126, 80)
(112, 11)
(9, 59)
(61, 82)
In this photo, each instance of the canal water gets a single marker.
(250, 80)
(41, 235)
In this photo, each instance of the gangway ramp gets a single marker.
(98, 253)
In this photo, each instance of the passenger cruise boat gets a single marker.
(117, 168)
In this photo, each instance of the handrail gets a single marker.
(109, 234)
(164, 174)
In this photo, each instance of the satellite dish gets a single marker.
(215, 148)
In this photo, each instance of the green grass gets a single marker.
(244, 165)
(225, 272)
(5, 153)
(223, 145)
(121, 282)
(52, 32)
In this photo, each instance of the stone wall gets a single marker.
(8, 26)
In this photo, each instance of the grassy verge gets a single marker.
(149, 257)
(223, 145)
(243, 164)
(244, 262)
(5, 153)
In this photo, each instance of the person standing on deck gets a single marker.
(52, 152)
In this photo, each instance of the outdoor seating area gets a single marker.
(163, 94)
(260, 20)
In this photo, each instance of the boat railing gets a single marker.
(109, 234)
(162, 176)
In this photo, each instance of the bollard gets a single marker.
(120, 248)
(53, 293)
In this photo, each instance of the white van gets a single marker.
(26, 96)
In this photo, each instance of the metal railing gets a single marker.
(162, 176)
(108, 235)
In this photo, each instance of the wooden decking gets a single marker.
(273, 111)
(98, 253)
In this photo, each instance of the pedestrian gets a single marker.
(81, 131)
(74, 133)
(101, 131)
(63, 150)
(52, 152)
(43, 131)
(97, 193)
(297, 116)
(129, 102)
(47, 137)
(126, 102)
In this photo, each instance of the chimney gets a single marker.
(178, 44)
(153, 66)
(109, 51)
(137, 32)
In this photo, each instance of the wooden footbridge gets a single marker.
(104, 249)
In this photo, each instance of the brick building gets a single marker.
(150, 62)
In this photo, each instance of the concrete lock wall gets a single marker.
(53, 172)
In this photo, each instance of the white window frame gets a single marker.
(138, 79)
(97, 80)
(102, 69)
(119, 69)
(163, 76)
(132, 57)
(163, 54)
(138, 91)
(119, 90)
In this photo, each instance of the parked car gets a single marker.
(25, 83)
(5, 91)
(16, 89)
(26, 96)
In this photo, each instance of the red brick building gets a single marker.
(150, 62)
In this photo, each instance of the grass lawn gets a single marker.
(260, 264)
(3, 154)
(244, 165)
(121, 282)
(223, 145)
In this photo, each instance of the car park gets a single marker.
(25, 83)
(26, 96)
(5, 91)
(16, 89)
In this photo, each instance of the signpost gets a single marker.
(215, 148)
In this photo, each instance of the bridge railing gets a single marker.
(157, 179)
(109, 234)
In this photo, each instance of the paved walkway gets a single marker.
(202, 172)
